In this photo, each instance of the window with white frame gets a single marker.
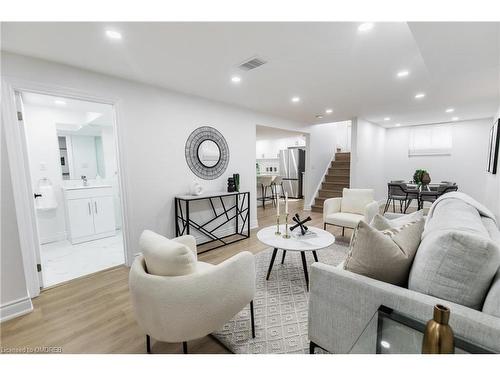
(430, 140)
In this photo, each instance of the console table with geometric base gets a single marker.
(234, 208)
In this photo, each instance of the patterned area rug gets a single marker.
(280, 305)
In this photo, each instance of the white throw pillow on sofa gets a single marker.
(355, 200)
(164, 257)
(457, 259)
(382, 223)
(456, 266)
(384, 255)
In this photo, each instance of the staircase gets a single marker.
(336, 178)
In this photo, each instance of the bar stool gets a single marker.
(265, 183)
(277, 183)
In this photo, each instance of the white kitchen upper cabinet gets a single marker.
(81, 223)
(104, 214)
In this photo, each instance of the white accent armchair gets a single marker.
(193, 302)
(346, 212)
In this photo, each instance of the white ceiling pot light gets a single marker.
(295, 99)
(236, 79)
(450, 110)
(59, 102)
(387, 119)
(420, 95)
(113, 34)
(329, 111)
(365, 27)
(403, 74)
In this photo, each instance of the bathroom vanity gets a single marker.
(90, 212)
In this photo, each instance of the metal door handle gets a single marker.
(90, 211)
(37, 195)
(95, 206)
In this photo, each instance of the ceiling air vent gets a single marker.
(253, 63)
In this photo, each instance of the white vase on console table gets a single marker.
(196, 188)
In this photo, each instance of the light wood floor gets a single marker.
(93, 314)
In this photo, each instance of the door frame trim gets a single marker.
(19, 163)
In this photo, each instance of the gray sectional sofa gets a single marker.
(457, 265)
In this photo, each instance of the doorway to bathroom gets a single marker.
(73, 167)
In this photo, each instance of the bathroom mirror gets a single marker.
(80, 155)
(208, 153)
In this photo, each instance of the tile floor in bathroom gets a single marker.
(62, 261)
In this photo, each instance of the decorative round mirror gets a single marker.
(207, 153)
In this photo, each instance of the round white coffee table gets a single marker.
(268, 237)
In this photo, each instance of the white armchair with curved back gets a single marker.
(346, 212)
(178, 299)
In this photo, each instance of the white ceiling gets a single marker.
(268, 133)
(87, 113)
(329, 65)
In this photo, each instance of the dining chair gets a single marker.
(396, 192)
(434, 193)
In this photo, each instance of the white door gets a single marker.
(80, 217)
(104, 214)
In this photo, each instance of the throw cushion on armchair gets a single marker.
(384, 255)
(355, 200)
(165, 257)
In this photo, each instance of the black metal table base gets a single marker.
(239, 212)
(304, 263)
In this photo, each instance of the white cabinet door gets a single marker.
(80, 216)
(104, 214)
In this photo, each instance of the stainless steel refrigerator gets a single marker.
(292, 168)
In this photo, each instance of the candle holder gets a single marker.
(286, 235)
(277, 225)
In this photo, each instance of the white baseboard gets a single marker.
(15, 308)
(61, 236)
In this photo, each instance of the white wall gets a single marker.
(323, 141)
(492, 185)
(13, 292)
(466, 165)
(154, 124)
(43, 150)
(41, 133)
(368, 157)
(269, 148)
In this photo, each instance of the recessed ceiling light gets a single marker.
(328, 111)
(235, 79)
(450, 110)
(385, 344)
(59, 102)
(403, 73)
(367, 26)
(319, 116)
(454, 119)
(295, 99)
(387, 119)
(420, 95)
(113, 34)
(397, 124)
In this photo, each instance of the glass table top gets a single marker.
(389, 332)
